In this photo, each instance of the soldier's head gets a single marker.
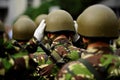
(39, 18)
(59, 22)
(98, 22)
(23, 29)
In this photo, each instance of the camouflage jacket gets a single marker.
(46, 42)
(62, 51)
(11, 47)
(24, 62)
(32, 44)
(97, 64)
(6, 48)
(17, 65)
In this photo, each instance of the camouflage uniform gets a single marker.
(46, 42)
(20, 61)
(19, 64)
(62, 50)
(61, 47)
(98, 61)
(60, 33)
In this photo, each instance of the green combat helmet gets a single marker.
(23, 29)
(98, 21)
(2, 29)
(40, 18)
(59, 20)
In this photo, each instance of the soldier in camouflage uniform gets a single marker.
(97, 25)
(59, 31)
(22, 63)
(19, 65)
(6, 50)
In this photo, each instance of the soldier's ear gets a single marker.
(50, 35)
(85, 40)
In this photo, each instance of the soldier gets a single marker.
(19, 65)
(6, 49)
(60, 31)
(23, 31)
(97, 25)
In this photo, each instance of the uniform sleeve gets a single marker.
(66, 53)
(32, 45)
(74, 70)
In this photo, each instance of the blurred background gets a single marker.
(10, 10)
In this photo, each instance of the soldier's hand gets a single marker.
(76, 36)
(39, 32)
(46, 70)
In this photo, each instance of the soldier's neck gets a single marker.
(59, 37)
(98, 44)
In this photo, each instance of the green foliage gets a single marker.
(74, 7)
(30, 12)
(42, 9)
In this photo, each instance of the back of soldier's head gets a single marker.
(98, 21)
(58, 21)
(39, 18)
(23, 29)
